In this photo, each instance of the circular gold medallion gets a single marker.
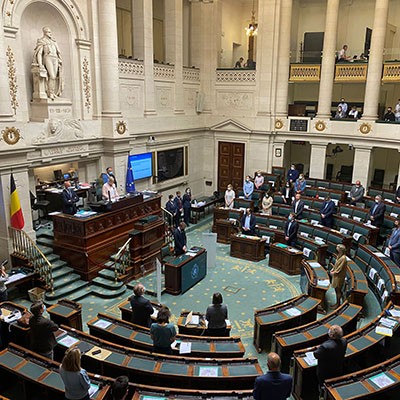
(121, 127)
(320, 126)
(365, 128)
(278, 124)
(11, 135)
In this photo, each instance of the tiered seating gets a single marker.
(127, 334)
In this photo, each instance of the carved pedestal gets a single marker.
(42, 109)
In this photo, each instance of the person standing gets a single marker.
(43, 340)
(187, 203)
(274, 385)
(180, 240)
(141, 307)
(330, 355)
(163, 332)
(298, 206)
(179, 207)
(343, 105)
(248, 188)
(338, 273)
(110, 174)
(249, 223)
(288, 193)
(258, 180)
(327, 211)
(266, 204)
(356, 193)
(397, 196)
(397, 111)
(75, 378)
(69, 199)
(229, 197)
(394, 243)
(109, 191)
(353, 113)
(293, 174)
(216, 315)
(389, 116)
(3, 280)
(290, 229)
(377, 212)
(171, 208)
(300, 184)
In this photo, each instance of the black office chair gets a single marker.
(40, 205)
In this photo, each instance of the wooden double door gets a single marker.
(230, 165)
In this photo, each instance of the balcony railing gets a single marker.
(305, 72)
(351, 72)
(246, 76)
(391, 72)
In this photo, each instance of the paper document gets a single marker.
(273, 227)
(387, 252)
(228, 323)
(304, 234)
(388, 322)
(185, 348)
(394, 313)
(372, 273)
(103, 324)
(345, 215)
(293, 311)
(356, 236)
(208, 371)
(68, 341)
(381, 330)
(314, 264)
(310, 359)
(357, 218)
(195, 320)
(15, 277)
(155, 313)
(344, 231)
(381, 380)
(392, 214)
(93, 389)
(306, 251)
(323, 282)
(379, 254)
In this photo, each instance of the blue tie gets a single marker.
(373, 210)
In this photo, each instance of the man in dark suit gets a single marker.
(249, 223)
(179, 208)
(42, 331)
(69, 199)
(298, 206)
(327, 211)
(291, 228)
(330, 355)
(141, 307)
(180, 239)
(171, 207)
(377, 212)
(274, 384)
(394, 243)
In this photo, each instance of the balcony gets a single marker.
(391, 72)
(351, 72)
(305, 72)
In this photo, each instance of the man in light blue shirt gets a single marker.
(394, 243)
(248, 188)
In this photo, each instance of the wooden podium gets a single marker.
(66, 312)
(286, 259)
(225, 229)
(87, 243)
(247, 247)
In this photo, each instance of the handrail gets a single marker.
(166, 211)
(25, 247)
(122, 259)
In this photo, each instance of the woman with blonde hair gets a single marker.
(266, 204)
(75, 378)
(338, 273)
(229, 196)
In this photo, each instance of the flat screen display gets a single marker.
(142, 165)
(170, 164)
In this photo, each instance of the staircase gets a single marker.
(68, 284)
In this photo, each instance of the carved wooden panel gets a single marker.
(230, 165)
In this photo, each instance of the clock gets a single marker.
(278, 124)
(365, 128)
(121, 127)
(11, 135)
(320, 126)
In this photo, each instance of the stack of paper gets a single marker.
(388, 322)
(381, 330)
(310, 359)
(323, 282)
(293, 312)
(381, 380)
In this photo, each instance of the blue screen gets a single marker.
(142, 165)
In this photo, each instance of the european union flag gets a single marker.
(130, 180)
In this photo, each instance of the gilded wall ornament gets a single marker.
(86, 83)
(11, 135)
(121, 127)
(278, 124)
(320, 126)
(12, 79)
(365, 128)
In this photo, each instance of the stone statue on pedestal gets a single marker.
(47, 70)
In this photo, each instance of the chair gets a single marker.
(39, 205)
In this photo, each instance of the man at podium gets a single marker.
(180, 239)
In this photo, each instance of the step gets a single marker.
(53, 257)
(45, 249)
(106, 283)
(45, 233)
(65, 280)
(66, 291)
(109, 263)
(81, 293)
(59, 264)
(108, 294)
(45, 241)
(107, 274)
(59, 272)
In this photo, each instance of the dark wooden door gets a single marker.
(230, 165)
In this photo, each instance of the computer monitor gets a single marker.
(58, 174)
(67, 176)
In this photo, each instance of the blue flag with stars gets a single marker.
(130, 180)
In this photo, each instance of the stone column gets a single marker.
(374, 75)
(109, 58)
(328, 60)
(138, 29)
(6, 113)
(174, 47)
(361, 165)
(284, 59)
(317, 160)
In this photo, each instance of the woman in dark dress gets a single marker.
(216, 314)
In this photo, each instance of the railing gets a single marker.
(247, 76)
(351, 72)
(122, 260)
(191, 74)
(169, 221)
(391, 72)
(305, 72)
(26, 248)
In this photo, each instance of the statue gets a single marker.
(48, 79)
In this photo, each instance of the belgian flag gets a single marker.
(17, 218)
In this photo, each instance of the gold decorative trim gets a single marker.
(86, 83)
(365, 128)
(320, 126)
(12, 79)
(278, 124)
(11, 135)
(121, 127)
